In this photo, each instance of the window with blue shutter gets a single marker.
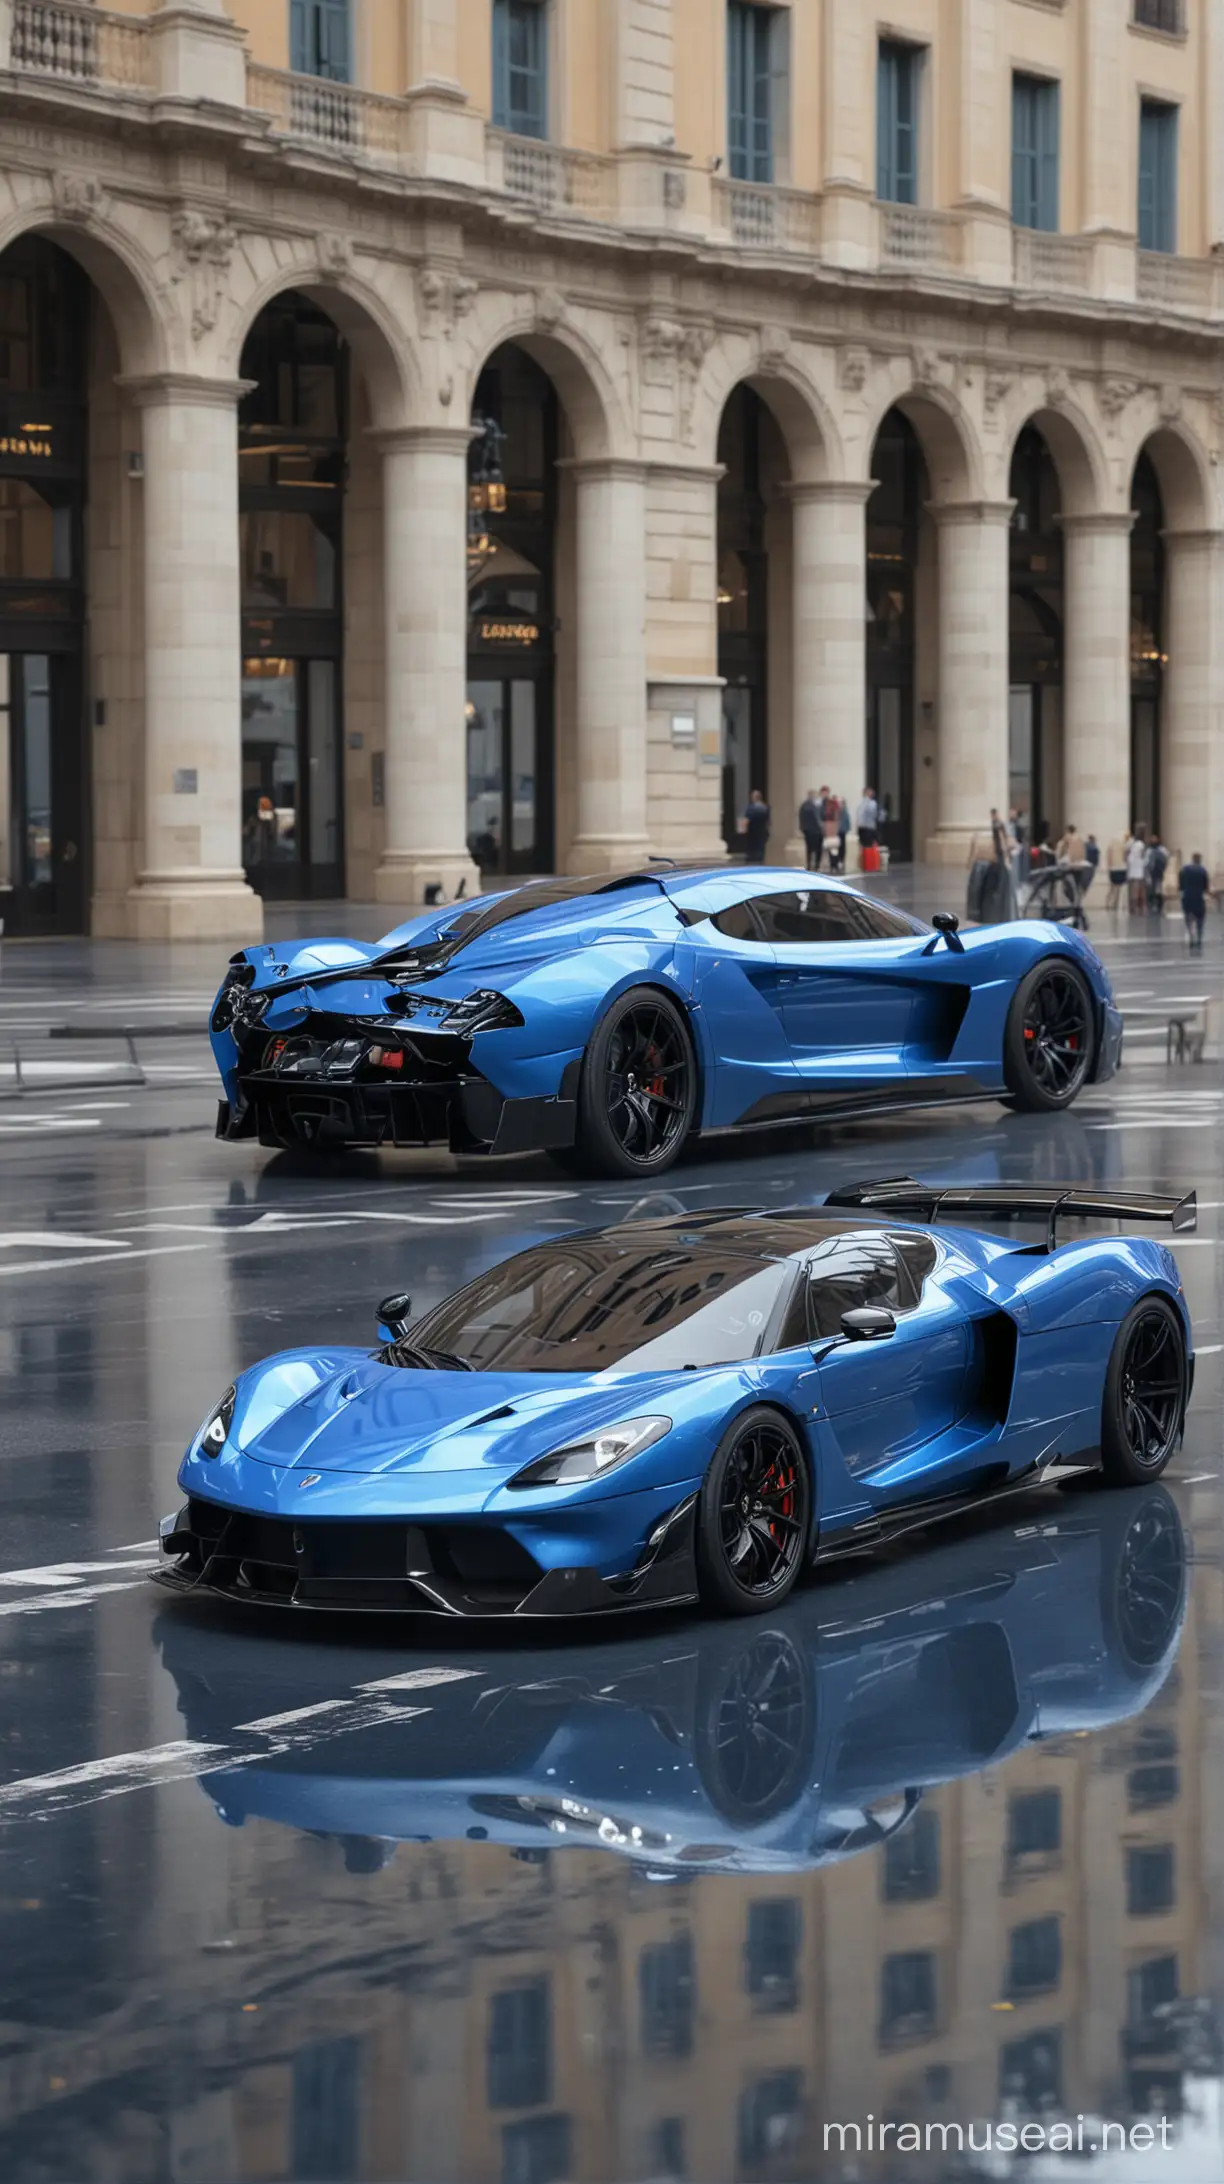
(1035, 131)
(320, 39)
(1157, 175)
(755, 44)
(520, 67)
(898, 89)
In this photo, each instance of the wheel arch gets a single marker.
(651, 982)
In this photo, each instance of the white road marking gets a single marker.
(71, 1573)
(66, 1789)
(71, 1596)
(54, 1240)
(29, 1125)
(47, 1266)
(1197, 1478)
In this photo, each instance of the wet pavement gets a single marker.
(940, 1844)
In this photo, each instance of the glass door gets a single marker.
(292, 820)
(889, 751)
(41, 871)
(505, 818)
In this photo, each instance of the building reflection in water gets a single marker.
(933, 1843)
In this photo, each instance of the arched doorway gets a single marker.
(894, 513)
(1147, 651)
(1035, 672)
(45, 309)
(512, 522)
(292, 454)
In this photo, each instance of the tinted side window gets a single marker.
(738, 922)
(820, 916)
(918, 1256)
(847, 1272)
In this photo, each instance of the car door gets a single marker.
(739, 994)
(846, 990)
(892, 1407)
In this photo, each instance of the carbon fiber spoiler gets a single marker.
(1016, 1202)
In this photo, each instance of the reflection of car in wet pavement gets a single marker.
(743, 1747)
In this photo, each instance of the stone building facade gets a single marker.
(804, 460)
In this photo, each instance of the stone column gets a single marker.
(610, 729)
(1192, 771)
(425, 587)
(829, 648)
(973, 654)
(1096, 685)
(191, 884)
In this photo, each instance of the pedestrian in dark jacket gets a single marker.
(812, 829)
(756, 828)
(1194, 881)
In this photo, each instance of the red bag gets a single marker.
(870, 861)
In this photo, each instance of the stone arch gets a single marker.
(594, 409)
(1183, 474)
(946, 434)
(119, 269)
(1076, 453)
(813, 443)
(372, 329)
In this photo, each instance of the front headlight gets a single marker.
(482, 1011)
(590, 1458)
(215, 1430)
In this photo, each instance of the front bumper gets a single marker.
(393, 1565)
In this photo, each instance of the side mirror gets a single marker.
(395, 1313)
(868, 1323)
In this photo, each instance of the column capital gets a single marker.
(830, 492)
(601, 469)
(981, 512)
(159, 390)
(423, 439)
(667, 466)
(1200, 535)
(1100, 523)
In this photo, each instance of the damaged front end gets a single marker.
(403, 1078)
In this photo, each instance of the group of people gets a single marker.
(1137, 866)
(824, 823)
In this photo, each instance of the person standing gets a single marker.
(867, 822)
(756, 828)
(1092, 856)
(811, 828)
(1071, 848)
(1115, 865)
(1136, 870)
(1194, 881)
(843, 832)
(1157, 866)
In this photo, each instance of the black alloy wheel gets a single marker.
(1145, 1393)
(638, 1098)
(754, 1516)
(1050, 1040)
(1149, 1588)
(755, 1728)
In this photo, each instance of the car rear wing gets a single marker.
(1016, 1202)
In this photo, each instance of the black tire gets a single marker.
(1050, 1041)
(753, 1515)
(1146, 1390)
(1143, 1581)
(755, 1733)
(637, 1100)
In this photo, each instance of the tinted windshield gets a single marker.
(588, 1306)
